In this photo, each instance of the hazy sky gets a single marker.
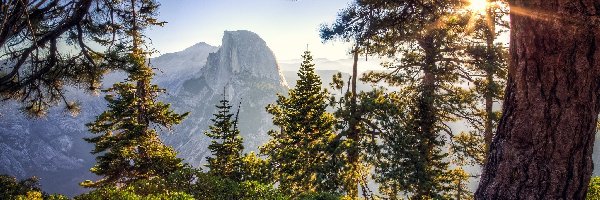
(286, 25)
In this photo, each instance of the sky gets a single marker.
(287, 26)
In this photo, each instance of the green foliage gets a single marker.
(319, 196)
(27, 189)
(96, 34)
(129, 193)
(254, 168)
(487, 60)
(226, 145)
(127, 143)
(208, 186)
(593, 192)
(298, 151)
(10, 188)
(425, 43)
(129, 148)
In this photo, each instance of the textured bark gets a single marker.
(544, 142)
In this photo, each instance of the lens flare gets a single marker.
(478, 6)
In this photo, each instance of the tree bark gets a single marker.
(544, 142)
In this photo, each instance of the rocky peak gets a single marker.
(245, 53)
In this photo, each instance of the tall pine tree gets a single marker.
(422, 40)
(298, 151)
(128, 144)
(226, 145)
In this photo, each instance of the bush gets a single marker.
(188, 183)
(319, 196)
(129, 193)
(27, 189)
(593, 192)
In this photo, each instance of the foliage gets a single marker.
(128, 144)
(36, 68)
(254, 168)
(28, 189)
(593, 192)
(129, 193)
(226, 145)
(424, 43)
(486, 62)
(208, 186)
(298, 151)
(10, 188)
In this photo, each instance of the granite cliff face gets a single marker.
(244, 68)
(52, 148)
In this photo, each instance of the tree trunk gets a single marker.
(490, 37)
(544, 142)
(353, 132)
(426, 119)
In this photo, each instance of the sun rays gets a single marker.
(478, 6)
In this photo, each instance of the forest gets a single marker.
(530, 104)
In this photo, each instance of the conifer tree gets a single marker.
(351, 124)
(298, 151)
(422, 38)
(226, 145)
(487, 65)
(128, 144)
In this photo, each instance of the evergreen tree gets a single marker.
(226, 145)
(255, 168)
(34, 35)
(422, 40)
(128, 144)
(487, 65)
(351, 124)
(298, 151)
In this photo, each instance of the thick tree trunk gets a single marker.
(544, 142)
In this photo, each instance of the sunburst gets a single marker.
(478, 6)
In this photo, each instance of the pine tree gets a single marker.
(487, 63)
(34, 35)
(422, 38)
(298, 151)
(352, 127)
(129, 147)
(226, 145)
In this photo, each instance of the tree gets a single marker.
(543, 145)
(487, 65)
(298, 151)
(351, 117)
(255, 168)
(129, 146)
(28, 189)
(422, 38)
(35, 71)
(226, 145)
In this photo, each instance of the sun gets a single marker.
(478, 6)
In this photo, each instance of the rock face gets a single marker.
(245, 70)
(53, 149)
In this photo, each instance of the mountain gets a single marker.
(243, 68)
(52, 148)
